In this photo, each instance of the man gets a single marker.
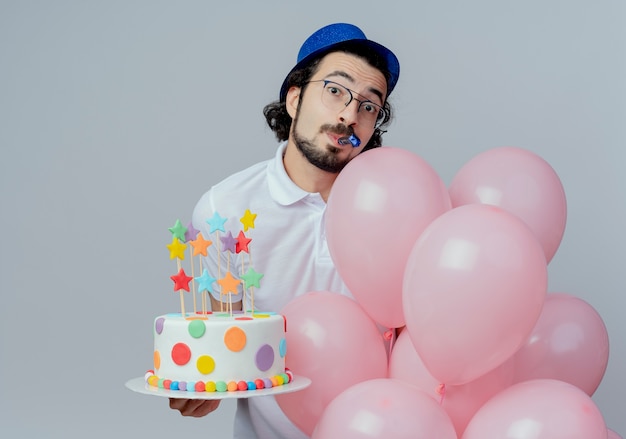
(332, 106)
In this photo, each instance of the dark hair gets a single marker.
(279, 120)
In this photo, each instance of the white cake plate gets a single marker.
(139, 385)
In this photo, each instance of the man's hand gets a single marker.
(196, 408)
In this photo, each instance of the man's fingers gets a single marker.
(194, 407)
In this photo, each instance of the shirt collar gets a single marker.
(282, 189)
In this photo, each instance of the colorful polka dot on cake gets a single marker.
(181, 354)
(197, 328)
(205, 364)
(264, 357)
(235, 339)
(157, 360)
(158, 325)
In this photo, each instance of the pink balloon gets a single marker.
(613, 435)
(384, 408)
(378, 206)
(474, 286)
(520, 182)
(569, 343)
(538, 409)
(333, 342)
(460, 402)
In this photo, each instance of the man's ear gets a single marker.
(292, 99)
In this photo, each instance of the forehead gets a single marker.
(354, 72)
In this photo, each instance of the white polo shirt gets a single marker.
(288, 247)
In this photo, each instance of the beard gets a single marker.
(324, 159)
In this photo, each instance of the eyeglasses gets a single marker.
(335, 96)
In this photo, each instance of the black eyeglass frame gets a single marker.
(380, 117)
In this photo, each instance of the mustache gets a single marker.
(339, 129)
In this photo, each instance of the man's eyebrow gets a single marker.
(345, 75)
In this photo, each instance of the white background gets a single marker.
(115, 116)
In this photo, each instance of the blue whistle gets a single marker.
(353, 140)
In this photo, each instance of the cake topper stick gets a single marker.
(229, 245)
(219, 271)
(216, 223)
(251, 286)
(251, 279)
(241, 247)
(200, 246)
(230, 293)
(247, 220)
(230, 296)
(180, 291)
(182, 304)
(202, 295)
(190, 236)
(205, 283)
(219, 267)
(230, 303)
(193, 284)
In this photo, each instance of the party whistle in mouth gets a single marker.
(352, 140)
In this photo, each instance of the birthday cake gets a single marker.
(220, 350)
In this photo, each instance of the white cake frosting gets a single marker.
(219, 351)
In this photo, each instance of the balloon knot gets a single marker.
(441, 390)
(388, 334)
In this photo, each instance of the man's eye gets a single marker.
(370, 108)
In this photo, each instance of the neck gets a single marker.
(305, 175)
